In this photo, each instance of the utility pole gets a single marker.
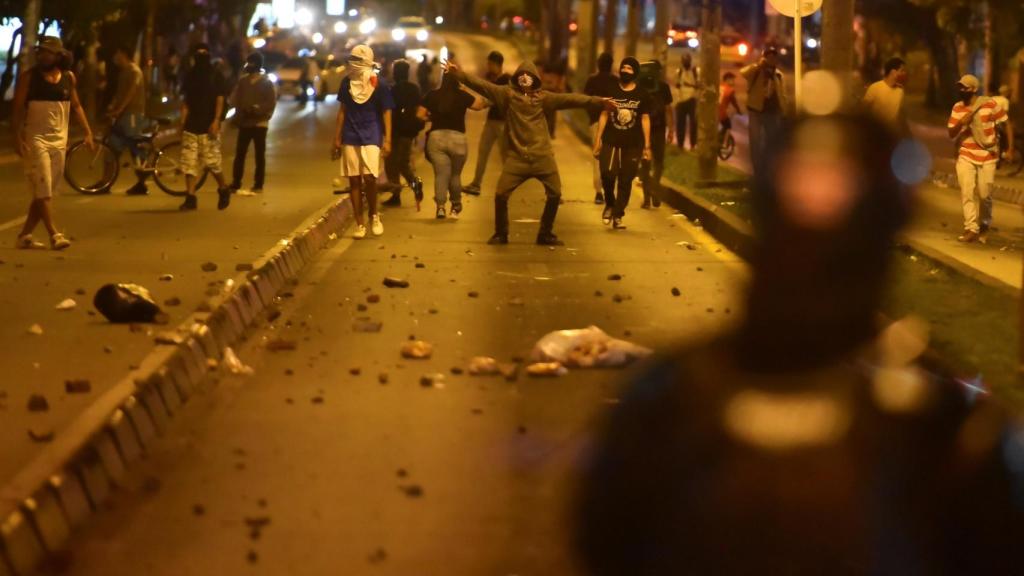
(29, 33)
(662, 15)
(837, 41)
(633, 9)
(586, 40)
(611, 25)
(707, 95)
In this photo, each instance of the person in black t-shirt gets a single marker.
(406, 127)
(201, 113)
(494, 129)
(445, 109)
(625, 140)
(603, 83)
(662, 131)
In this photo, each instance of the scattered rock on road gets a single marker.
(392, 282)
(67, 304)
(35, 330)
(615, 277)
(473, 294)
(435, 380)
(373, 298)
(77, 386)
(417, 349)
(166, 277)
(38, 403)
(367, 325)
(377, 556)
(421, 265)
(41, 437)
(382, 378)
(412, 490)
(243, 267)
(546, 369)
(281, 344)
(209, 267)
(676, 292)
(173, 301)
(483, 366)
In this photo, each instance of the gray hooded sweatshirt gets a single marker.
(526, 126)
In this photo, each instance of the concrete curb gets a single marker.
(72, 477)
(1000, 192)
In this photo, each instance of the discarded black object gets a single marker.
(125, 303)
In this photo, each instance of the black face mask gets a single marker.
(965, 96)
(627, 77)
(252, 68)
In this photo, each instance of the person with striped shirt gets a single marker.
(972, 125)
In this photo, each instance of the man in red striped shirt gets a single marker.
(973, 125)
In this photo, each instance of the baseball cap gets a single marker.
(969, 81)
(50, 44)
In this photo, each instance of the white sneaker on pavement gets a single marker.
(360, 232)
(59, 242)
(377, 226)
(27, 243)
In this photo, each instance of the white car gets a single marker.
(411, 30)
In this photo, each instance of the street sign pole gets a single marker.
(798, 53)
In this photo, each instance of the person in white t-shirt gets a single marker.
(1005, 130)
(884, 99)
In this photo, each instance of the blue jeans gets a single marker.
(125, 132)
(447, 150)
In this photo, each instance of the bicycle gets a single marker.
(726, 144)
(94, 171)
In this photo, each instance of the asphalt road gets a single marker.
(313, 465)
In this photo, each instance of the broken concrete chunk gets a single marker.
(392, 282)
(77, 386)
(434, 380)
(38, 403)
(168, 338)
(473, 294)
(120, 303)
(66, 304)
(483, 366)
(546, 369)
(209, 267)
(373, 298)
(367, 325)
(676, 292)
(281, 344)
(417, 349)
(166, 277)
(41, 437)
(382, 378)
(35, 330)
(421, 265)
(615, 277)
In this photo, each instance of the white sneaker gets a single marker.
(27, 243)
(377, 226)
(59, 242)
(360, 232)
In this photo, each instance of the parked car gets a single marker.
(289, 76)
(734, 48)
(411, 30)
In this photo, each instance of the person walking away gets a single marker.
(201, 113)
(602, 84)
(494, 126)
(884, 98)
(662, 132)
(530, 155)
(687, 82)
(625, 141)
(362, 135)
(445, 109)
(766, 105)
(407, 126)
(423, 75)
(254, 99)
(972, 125)
(726, 99)
(127, 113)
(702, 467)
(1005, 129)
(44, 98)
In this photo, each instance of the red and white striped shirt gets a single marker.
(989, 114)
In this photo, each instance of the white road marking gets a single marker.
(12, 223)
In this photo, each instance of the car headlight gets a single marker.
(693, 43)
(398, 34)
(367, 26)
(340, 27)
(422, 35)
(272, 77)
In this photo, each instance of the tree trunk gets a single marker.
(586, 40)
(633, 9)
(989, 79)
(707, 99)
(611, 25)
(7, 78)
(662, 15)
(947, 69)
(837, 41)
(29, 32)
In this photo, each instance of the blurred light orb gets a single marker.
(823, 94)
(911, 162)
(318, 38)
(303, 17)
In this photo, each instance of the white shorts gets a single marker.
(44, 167)
(199, 152)
(360, 160)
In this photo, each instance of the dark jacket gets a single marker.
(254, 100)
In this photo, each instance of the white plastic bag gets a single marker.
(234, 365)
(586, 348)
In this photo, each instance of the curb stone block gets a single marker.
(180, 378)
(110, 458)
(153, 405)
(46, 515)
(234, 312)
(125, 438)
(205, 342)
(167, 390)
(19, 543)
(274, 273)
(252, 298)
(194, 357)
(70, 493)
(265, 289)
(141, 421)
(93, 477)
(243, 309)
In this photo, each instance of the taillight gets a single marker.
(743, 48)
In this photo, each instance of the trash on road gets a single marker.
(615, 277)
(67, 304)
(209, 267)
(166, 277)
(281, 344)
(484, 366)
(77, 386)
(35, 330)
(417, 349)
(367, 325)
(434, 380)
(586, 348)
(234, 365)
(169, 338)
(676, 292)
(126, 303)
(546, 369)
(473, 294)
(38, 403)
(392, 282)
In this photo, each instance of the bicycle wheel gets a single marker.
(728, 147)
(168, 172)
(91, 171)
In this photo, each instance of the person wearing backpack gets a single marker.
(407, 127)
(972, 125)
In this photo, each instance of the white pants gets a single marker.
(44, 167)
(360, 160)
(975, 180)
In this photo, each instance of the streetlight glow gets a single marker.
(340, 27)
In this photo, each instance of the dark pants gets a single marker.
(686, 112)
(399, 163)
(650, 172)
(765, 133)
(258, 136)
(619, 166)
(552, 117)
(517, 171)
